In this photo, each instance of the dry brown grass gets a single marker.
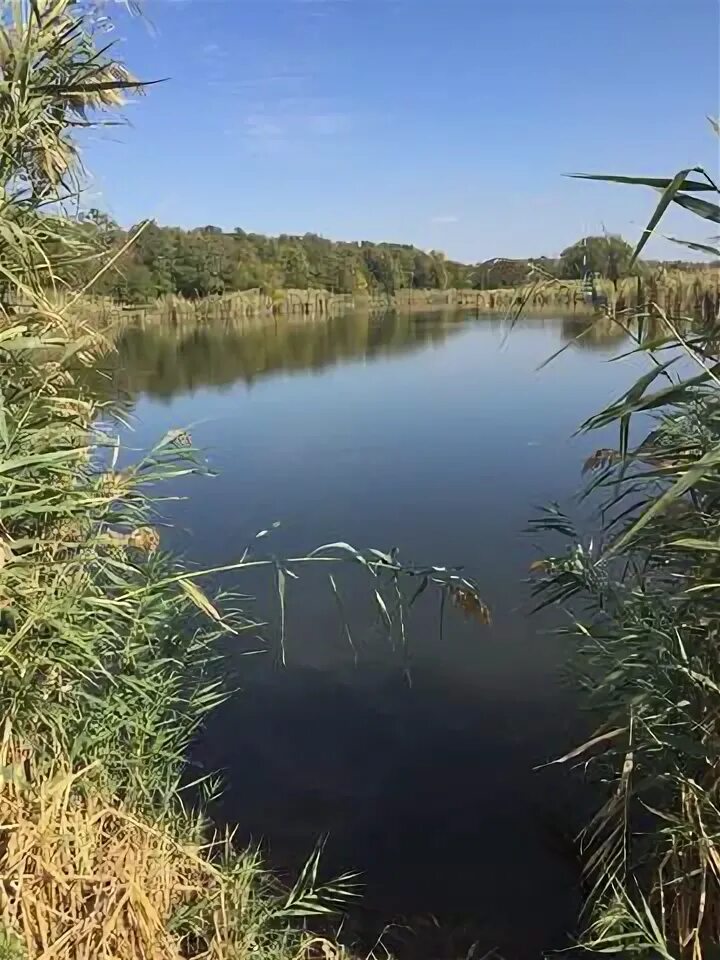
(692, 293)
(81, 878)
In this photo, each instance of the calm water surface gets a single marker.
(435, 434)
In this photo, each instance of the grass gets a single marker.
(643, 602)
(86, 878)
(694, 292)
(680, 292)
(291, 304)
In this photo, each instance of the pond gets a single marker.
(436, 434)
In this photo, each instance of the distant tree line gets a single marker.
(207, 261)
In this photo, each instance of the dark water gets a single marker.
(435, 434)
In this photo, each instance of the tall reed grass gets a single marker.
(694, 293)
(85, 877)
(644, 606)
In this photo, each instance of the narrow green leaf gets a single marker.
(41, 459)
(383, 608)
(702, 679)
(588, 745)
(669, 194)
(343, 617)
(634, 401)
(3, 421)
(689, 479)
(693, 245)
(659, 183)
(280, 584)
(691, 543)
(708, 211)
(199, 599)
(553, 356)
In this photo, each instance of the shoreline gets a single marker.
(669, 293)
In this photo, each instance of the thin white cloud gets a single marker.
(291, 122)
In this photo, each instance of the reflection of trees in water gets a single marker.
(600, 332)
(593, 333)
(161, 359)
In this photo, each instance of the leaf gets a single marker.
(583, 748)
(197, 596)
(340, 545)
(343, 618)
(700, 247)
(708, 211)
(709, 462)
(26, 343)
(671, 191)
(634, 400)
(280, 584)
(420, 590)
(690, 543)
(3, 421)
(383, 608)
(64, 89)
(669, 194)
(702, 679)
(659, 183)
(40, 459)
(553, 356)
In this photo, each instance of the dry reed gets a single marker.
(694, 293)
(83, 878)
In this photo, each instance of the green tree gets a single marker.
(382, 269)
(295, 267)
(135, 283)
(206, 260)
(499, 273)
(609, 256)
(438, 269)
(423, 275)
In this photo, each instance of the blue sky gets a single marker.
(444, 123)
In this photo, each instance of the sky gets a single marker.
(444, 123)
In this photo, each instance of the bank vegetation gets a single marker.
(643, 603)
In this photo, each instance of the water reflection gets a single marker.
(161, 358)
(593, 333)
